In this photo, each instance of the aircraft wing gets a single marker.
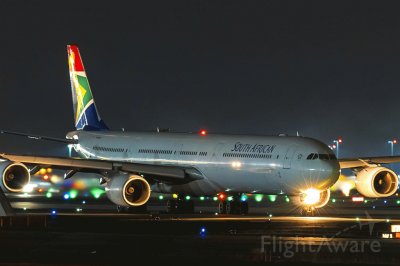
(155, 171)
(366, 161)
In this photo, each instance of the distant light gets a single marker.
(385, 201)
(357, 219)
(221, 196)
(340, 140)
(272, 198)
(270, 215)
(243, 198)
(202, 198)
(395, 228)
(46, 177)
(334, 146)
(175, 196)
(40, 190)
(357, 199)
(161, 197)
(203, 232)
(388, 220)
(187, 197)
(24, 208)
(66, 196)
(259, 197)
(73, 194)
(97, 192)
(398, 201)
(53, 212)
(365, 201)
(49, 170)
(287, 199)
(203, 132)
(230, 198)
(215, 198)
(49, 195)
(333, 200)
(42, 171)
(84, 202)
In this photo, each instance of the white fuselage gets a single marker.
(232, 163)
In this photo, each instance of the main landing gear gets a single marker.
(235, 206)
(180, 205)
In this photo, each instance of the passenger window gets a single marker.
(310, 156)
(315, 156)
(332, 157)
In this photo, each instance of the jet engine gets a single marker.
(128, 190)
(376, 182)
(14, 176)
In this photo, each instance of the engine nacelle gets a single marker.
(14, 176)
(376, 182)
(128, 190)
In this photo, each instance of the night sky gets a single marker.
(325, 69)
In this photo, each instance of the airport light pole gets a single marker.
(337, 142)
(391, 143)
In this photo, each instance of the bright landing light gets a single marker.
(311, 196)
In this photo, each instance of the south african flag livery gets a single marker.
(86, 114)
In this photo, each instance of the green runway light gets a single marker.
(333, 200)
(398, 201)
(96, 192)
(365, 201)
(73, 194)
(49, 195)
(258, 197)
(187, 197)
(161, 197)
(215, 198)
(287, 199)
(272, 198)
(243, 197)
(202, 198)
(230, 198)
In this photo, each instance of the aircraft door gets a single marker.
(287, 160)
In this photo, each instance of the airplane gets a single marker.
(133, 164)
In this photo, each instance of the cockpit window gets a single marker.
(332, 157)
(312, 156)
(323, 156)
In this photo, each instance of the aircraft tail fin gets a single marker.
(86, 115)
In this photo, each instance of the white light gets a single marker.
(311, 196)
(236, 165)
(29, 188)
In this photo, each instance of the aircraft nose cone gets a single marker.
(327, 175)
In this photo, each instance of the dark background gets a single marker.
(323, 68)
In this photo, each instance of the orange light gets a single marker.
(40, 190)
(394, 141)
(45, 177)
(340, 140)
(203, 132)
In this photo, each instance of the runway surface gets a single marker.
(108, 238)
(94, 233)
